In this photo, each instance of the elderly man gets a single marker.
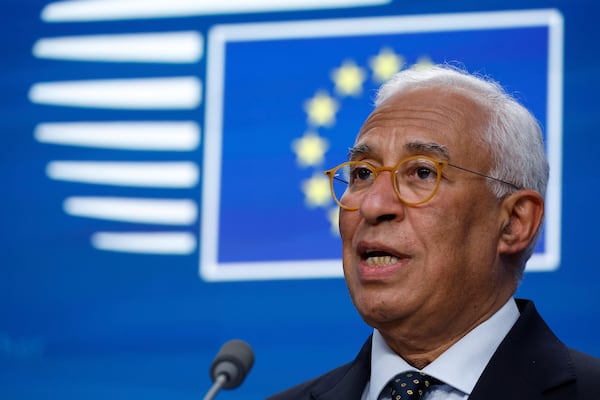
(441, 204)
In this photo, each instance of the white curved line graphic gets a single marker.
(140, 94)
(172, 175)
(124, 135)
(168, 243)
(101, 10)
(139, 210)
(167, 47)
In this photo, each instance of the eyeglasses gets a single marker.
(415, 179)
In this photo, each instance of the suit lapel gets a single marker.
(530, 363)
(351, 385)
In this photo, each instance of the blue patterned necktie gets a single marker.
(410, 385)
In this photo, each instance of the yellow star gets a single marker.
(310, 149)
(422, 63)
(385, 64)
(316, 191)
(321, 109)
(333, 215)
(348, 79)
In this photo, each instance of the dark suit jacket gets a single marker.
(530, 363)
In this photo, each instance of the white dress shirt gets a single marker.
(459, 367)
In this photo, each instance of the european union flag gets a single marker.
(286, 100)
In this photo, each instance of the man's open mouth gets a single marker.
(379, 258)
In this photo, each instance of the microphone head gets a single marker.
(233, 360)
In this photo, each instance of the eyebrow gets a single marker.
(359, 151)
(426, 148)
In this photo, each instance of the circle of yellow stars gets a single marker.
(321, 109)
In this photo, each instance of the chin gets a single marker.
(374, 311)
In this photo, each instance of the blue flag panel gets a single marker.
(285, 102)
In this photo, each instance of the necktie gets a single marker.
(410, 385)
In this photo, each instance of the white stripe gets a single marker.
(143, 94)
(136, 174)
(550, 259)
(126, 135)
(168, 47)
(219, 35)
(100, 10)
(169, 243)
(139, 210)
(271, 270)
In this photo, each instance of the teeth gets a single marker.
(381, 261)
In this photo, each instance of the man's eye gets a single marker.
(360, 175)
(363, 173)
(425, 173)
(417, 171)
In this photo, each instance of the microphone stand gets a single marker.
(219, 382)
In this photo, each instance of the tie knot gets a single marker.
(410, 385)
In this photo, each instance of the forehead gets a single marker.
(425, 119)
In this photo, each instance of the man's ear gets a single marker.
(522, 214)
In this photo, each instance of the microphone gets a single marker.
(230, 367)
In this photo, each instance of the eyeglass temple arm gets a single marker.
(486, 176)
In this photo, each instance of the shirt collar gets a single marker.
(460, 366)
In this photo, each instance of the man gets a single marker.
(440, 207)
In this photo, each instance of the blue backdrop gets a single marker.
(163, 189)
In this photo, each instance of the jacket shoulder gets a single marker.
(345, 382)
(587, 372)
(304, 390)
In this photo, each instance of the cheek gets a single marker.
(441, 238)
(456, 220)
(458, 243)
(348, 223)
(433, 231)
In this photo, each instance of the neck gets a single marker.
(416, 352)
(420, 347)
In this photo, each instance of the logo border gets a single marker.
(218, 37)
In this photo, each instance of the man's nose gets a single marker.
(380, 202)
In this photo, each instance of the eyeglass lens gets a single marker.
(415, 180)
